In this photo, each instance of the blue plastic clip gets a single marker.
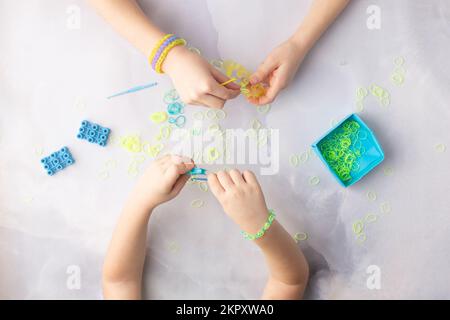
(57, 161)
(196, 170)
(93, 133)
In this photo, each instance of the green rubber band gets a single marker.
(263, 230)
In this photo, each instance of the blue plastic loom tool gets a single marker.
(134, 89)
(196, 170)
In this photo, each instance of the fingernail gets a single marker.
(254, 80)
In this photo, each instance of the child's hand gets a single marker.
(278, 70)
(161, 182)
(196, 81)
(241, 198)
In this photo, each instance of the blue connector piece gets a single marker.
(57, 161)
(93, 133)
(195, 171)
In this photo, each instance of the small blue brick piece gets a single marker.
(57, 161)
(93, 133)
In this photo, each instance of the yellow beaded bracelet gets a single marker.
(157, 46)
(162, 57)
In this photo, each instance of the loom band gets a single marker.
(175, 108)
(376, 90)
(264, 108)
(361, 238)
(300, 236)
(203, 186)
(359, 106)
(211, 114)
(228, 66)
(213, 127)
(400, 71)
(399, 61)
(385, 101)
(358, 227)
(397, 78)
(218, 64)
(314, 180)
(349, 158)
(173, 247)
(195, 50)
(346, 177)
(440, 147)
(256, 125)
(294, 160)
(345, 143)
(178, 121)
(330, 155)
(385, 207)
(165, 132)
(242, 72)
(171, 96)
(245, 92)
(198, 115)
(221, 114)
(158, 117)
(388, 171)
(361, 93)
(370, 218)
(213, 154)
(372, 196)
(197, 203)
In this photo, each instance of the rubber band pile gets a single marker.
(343, 149)
(175, 108)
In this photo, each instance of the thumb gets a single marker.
(263, 72)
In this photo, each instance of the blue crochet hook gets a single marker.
(134, 89)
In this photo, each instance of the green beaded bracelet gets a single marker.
(263, 230)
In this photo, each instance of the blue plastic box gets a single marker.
(372, 156)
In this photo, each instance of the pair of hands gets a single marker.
(239, 193)
(198, 82)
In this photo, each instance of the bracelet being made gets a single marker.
(161, 49)
(263, 230)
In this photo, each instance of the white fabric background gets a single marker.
(48, 72)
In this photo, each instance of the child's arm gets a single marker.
(242, 199)
(282, 63)
(124, 262)
(196, 81)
